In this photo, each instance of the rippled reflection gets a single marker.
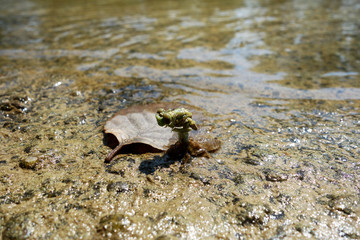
(282, 49)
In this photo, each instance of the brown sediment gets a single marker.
(276, 82)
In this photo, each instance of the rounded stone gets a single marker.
(29, 162)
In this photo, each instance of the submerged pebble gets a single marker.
(29, 162)
(274, 176)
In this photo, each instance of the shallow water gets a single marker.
(279, 85)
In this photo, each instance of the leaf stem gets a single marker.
(112, 154)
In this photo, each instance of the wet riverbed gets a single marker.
(276, 81)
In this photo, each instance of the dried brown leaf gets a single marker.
(138, 125)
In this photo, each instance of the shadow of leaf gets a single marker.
(151, 165)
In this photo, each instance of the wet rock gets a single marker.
(209, 143)
(25, 225)
(29, 162)
(43, 160)
(15, 104)
(273, 176)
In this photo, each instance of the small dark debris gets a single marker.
(251, 161)
(7, 107)
(89, 153)
(28, 195)
(27, 149)
(238, 179)
(67, 180)
(73, 206)
(146, 192)
(52, 194)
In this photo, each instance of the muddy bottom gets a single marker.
(276, 82)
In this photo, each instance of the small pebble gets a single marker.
(276, 177)
(273, 176)
(29, 162)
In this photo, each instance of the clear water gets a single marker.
(278, 82)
